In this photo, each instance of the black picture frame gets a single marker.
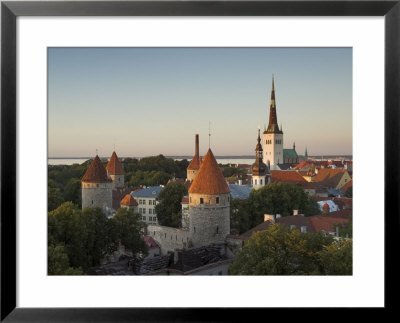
(10, 10)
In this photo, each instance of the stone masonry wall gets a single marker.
(168, 238)
(208, 224)
(118, 180)
(101, 195)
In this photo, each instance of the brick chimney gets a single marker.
(196, 149)
(295, 212)
(269, 217)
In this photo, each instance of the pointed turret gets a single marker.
(96, 173)
(114, 166)
(209, 180)
(115, 171)
(273, 119)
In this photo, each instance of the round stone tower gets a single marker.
(260, 174)
(96, 186)
(115, 171)
(194, 165)
(209, 204)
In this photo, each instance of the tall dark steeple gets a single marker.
(259, 168)
(273, 120)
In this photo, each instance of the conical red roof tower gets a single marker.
(114, 166)
(209, 179)
(96, 172)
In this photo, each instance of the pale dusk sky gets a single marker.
(150, 101)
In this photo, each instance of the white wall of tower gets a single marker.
(272, 148)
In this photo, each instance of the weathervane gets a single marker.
(209, 134)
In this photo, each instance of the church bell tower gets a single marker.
(273, 136)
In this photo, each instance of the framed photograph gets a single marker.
(211, 67)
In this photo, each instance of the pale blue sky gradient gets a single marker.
(150, 101)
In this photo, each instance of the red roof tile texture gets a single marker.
(128, 200)
(329, 177)
(290, 176)
(326, 223)
(96, 172)
(209, 179)
(114, 166)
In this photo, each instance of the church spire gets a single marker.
(273, 120)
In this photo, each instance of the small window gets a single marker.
(154, 233)
(217, 229)
(144, 201)
(217, 200)
(97, 185)
(255, 182)
(140, 210)
(144, 211)
(144, 218)
(260, 181)
(194, 229)
(165, 236)
(150, 211)
(92, 202)
(119, 179)
(201, 200)
(140, 201)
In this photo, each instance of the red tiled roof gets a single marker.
(195, 163)
(96, 172)
(114, 166)
(261, 227)
(326, 223)
(209, 179)
(185, 200)
(345, 214)
(128, 200)
(150, 242)
(326, 206)
(330, 177)
(290, 176)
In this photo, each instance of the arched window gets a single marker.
(201, 200)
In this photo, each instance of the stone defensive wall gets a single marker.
(168, 238)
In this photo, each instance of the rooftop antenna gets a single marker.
(209, 134)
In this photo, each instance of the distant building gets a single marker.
(332, 178)
(147, 199)
(130, 203)
(292, 177)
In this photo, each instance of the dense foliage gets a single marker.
(274, 198)
(284, 251)
(64, 181)
(349, 192)
(169, 209)
(79, 239)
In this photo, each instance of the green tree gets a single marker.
(58, 262)
(281, 251)
(240, 220)
(54, 196)
(128, 228)
(73, 191)
(336, 258)
(169, 207)
(98, 235)
(349, 192)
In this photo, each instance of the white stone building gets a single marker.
(147, 200)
